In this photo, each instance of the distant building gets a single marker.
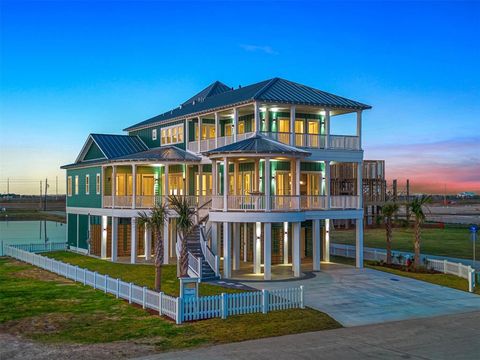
(466, 195)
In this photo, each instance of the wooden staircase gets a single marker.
(194, 247)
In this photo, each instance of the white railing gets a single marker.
(316, 141)
(445, 266)
(176, 308)
(244, 136)
(344, 142)
(35, 248)
(344, 201)
(246, 202)
(193, 146)
(284, 202)
(212, 143)
(194, 265)
(313, 202)
(212, 260)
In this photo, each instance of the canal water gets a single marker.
(31, 232)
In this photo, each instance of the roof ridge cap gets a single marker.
(264, 88)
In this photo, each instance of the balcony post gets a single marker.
(133, 240)
(257, 248)
(292, 125)
(166, 242)
(187, 134)
(227, 268)
(114, 238)
(225, 184)
(134, 186)
(114, 185)
(236, 246)
(200, 180)
(327, 183)
(268, 183)
(199, 133)
(327, 129)
(360, 185)
(214, 178)
(186, 189)
(102, 185)
(103, 241)
(165, 181)
(326, 250)
(359, 242)
(359, 129)
(256, 182)
(316, 245)
(285, 243)
(296, 249)
(256, 111)
(235, 124)
(297, 180)
(267, 251)
(217, 132)
(147, 246)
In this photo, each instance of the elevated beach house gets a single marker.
(255, 163)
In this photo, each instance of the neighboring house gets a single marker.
(255, 160)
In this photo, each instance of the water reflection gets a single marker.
(25, 232)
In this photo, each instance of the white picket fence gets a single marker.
(36, 248)
(445, 266)
(176, 308)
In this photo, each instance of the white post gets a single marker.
(235, 124)
(268, 183)
(297, 179)
(359, 128)
(227, 271)
(326, 255)
(359, 243)
(285, 243)
(214, 244)
(134, 186)
(166, 242)
(245, 242)
(292, 126)
(257, 243)
(267, 251)
(316, 245)
(165, 181)
(114, 238)
(103, 240)
(187, 134)
(148, 242)
(360, 185)
(78, 231)
(256, 111)
(214, 178)
(296, 249)
(225, 184)
(327, 184)
(235, 178)
(200, 180)
(199, 132)
(133, 244)
(236, 246)
(217, 130)
(327, 129)
(114, 185)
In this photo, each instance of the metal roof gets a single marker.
(118, 145)
(273, 90)
(161, 154)
(258, 144)
(213, 89)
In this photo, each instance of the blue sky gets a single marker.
(71, 68)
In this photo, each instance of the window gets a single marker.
(76, 184)
(172, 134)
(69, 186)
(154, 134)
(87, 184)
(97, 184)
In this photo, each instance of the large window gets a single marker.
(87, 184)
(97, 184)
(76, 184)
(154, 134)
(172, 134)
(69, 186)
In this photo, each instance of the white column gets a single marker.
(245, 242)
(235, 178)
(257, 249)
(296, 249)
(359, 128)
(214, 178)
(103, 241)
(256, 111)
(114, 185)
(134, 186)
(359, 243)
(114, 238)
(360, 185)
(166, 242)
(326, 255)
(102, 185)
(217, 129)
(327, 129)
(236, 246)
(165, 182)
(235, 124)
(292, 125)
(133, 243)
(78, 231)
(327, 183)
(225, 184)
(200, 179)
(227, 267)
(199, 132)
(256, 171)
(214, 244)
(267, 251)
(89, 235)
(285, 243)
(268, 183)
(316, 245)
(187, 134)
(297, 177)
(147, 242)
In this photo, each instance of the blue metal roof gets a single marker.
(118, 145)
(161, 154)
(213, 89)
(274, 90)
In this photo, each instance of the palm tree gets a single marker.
(185, 225)
(416, 208)
(156, 221)
(389, 210)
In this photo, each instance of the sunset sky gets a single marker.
(72, 68)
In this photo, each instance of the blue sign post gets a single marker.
(473, 236)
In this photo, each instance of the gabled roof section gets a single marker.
(260, 145)
(161, 154)
(213, 89)
(274, 90)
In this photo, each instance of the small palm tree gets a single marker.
(416, 208)
(389, 210)
(155, 221)
(185, 225)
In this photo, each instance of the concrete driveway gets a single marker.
(364, 296)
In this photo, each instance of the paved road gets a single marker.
(356, 297)
(445, 337)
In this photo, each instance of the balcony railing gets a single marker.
(148, 201)
(209, 144)
(248, 203)
(316, 141)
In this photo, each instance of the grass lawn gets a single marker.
(451, 241)
(43, 306)
(15, 215)
(139, 274)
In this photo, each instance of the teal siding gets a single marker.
(94, 152)
(82, 199)
(80, 228)
(146, 135)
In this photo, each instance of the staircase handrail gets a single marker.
(195, 265)
(212, 259)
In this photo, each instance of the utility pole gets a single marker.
(45, 202)
(394, 185)
(8, 188)
(41, 186)
(407, 213)
(56, 187)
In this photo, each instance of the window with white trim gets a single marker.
(97, 184)
(87, 184)
(154, 134)
(76, 184)
(69, 186)
(172, 134)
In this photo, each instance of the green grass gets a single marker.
(42, 306)
(139, 274)
(17, 215)
(451, 241)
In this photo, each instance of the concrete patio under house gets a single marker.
(255, 164)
